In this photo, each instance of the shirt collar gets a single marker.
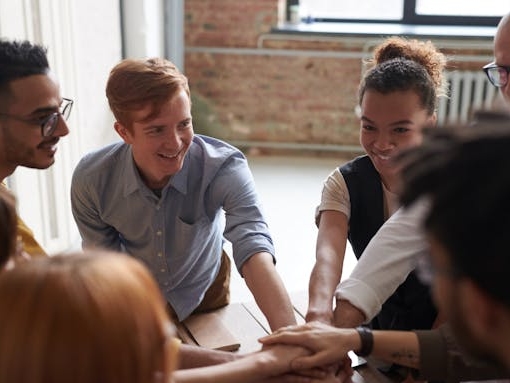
(133, 181)
(179, 181)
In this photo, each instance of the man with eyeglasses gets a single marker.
(498, 71)
(32, 116)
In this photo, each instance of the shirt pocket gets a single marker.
(196, 243)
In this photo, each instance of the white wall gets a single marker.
(143, 33)
(154, 28)
(84, 42)
(175, 32)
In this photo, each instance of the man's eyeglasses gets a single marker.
(49, 123)
(497, 74)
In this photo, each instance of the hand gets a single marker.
(278, 358)
(329, 344)
(344, 368)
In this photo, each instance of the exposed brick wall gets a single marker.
(262, 98)
(228, 23)
(241, 95)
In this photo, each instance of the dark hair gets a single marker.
(466, 174)
(20, 59)
(400, 64)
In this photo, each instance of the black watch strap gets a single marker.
(367, 341)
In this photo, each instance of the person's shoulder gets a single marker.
(215, 148)
(102, 159)
(356, 165)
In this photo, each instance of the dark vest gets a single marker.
(410, 306)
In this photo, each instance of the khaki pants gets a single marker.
(217, 295)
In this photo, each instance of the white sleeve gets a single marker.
(387, 260)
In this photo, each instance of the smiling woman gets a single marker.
(397, 99)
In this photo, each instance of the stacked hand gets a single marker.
(328, 344)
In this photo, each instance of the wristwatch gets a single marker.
(367, 341)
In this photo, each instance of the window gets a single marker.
(421, 12)
(486, 8)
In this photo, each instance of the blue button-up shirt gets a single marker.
(179, 235)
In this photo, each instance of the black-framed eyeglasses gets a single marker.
(49, 123)
(497, 74)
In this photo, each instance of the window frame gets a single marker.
(410, 17)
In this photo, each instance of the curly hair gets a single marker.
(400, 64)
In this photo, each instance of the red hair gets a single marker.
(134, 84)
(82, 318)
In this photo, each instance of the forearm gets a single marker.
(237, 371)
(323, 280)
(268, 290)
(195, 356)
(347, 315)
(326, 274)
(249, 368)
(399, 347)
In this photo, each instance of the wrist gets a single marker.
(348, 315)
(320, 315)
(366, 338)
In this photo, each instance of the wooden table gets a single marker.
(244, 323)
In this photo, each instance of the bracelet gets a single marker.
(367, 341)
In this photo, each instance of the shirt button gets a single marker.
(160, 254)
(162, 270)
(159, 232)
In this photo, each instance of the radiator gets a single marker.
(468, 91)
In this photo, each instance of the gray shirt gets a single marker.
(179, 235)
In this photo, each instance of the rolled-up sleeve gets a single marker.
(387, 261)
(85, 208)
(245, 225)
